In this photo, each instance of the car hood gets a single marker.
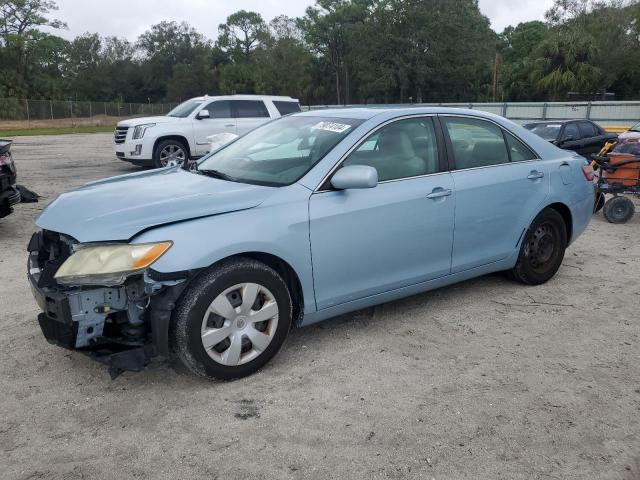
(118, 208)
(132, 122)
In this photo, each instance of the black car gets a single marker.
(9, 193)
(581, 136)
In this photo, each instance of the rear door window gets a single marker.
(476, 143)
(571, 130)
(250, 109)
(588, 130)
(285, 108)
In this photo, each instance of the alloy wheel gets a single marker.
(172, 155)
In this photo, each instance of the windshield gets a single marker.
(184, 109)
(548, 131)
(280, 152)
(635, 128)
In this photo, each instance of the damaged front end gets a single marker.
(123, 324)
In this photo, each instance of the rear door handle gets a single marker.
(439, 193)
(230, 125)
(534, 175)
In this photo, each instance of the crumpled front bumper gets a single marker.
(123, 327)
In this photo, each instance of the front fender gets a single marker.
(279, 227)
(163, 130)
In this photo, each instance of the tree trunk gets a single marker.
(346, 84)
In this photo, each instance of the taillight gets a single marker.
(588, 173)
(5, 159)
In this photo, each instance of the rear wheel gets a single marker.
(232, 320)
(542, 249)
(170, 153)
(618, 210)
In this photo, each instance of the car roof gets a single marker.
(247, 97)
(347, 112)
(544, 122)
(366, 113)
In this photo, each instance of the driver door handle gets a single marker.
(439, 193)
(534, 175)
(230, 125)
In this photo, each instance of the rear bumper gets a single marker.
(581, 213)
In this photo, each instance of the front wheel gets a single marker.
(170, 153)
(232, 319)
(542, 249)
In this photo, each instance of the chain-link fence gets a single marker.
(22, 113)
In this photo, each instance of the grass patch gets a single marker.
(28, 132)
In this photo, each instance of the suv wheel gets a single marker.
(232, 319)
(170, 153)
(542, 249)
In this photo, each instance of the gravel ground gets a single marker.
(485, 379)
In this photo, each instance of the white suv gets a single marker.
(182, 134)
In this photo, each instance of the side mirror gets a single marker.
(355, 176)
(568, 138)
(203, 114)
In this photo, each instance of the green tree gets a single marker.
(19, 17)
(25, 51)
(167, 45)
(564, 63)
(285, 60)
(330, 29)
(604, 32)
(241, 35)
(518, 45)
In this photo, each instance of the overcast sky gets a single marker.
(129, 18)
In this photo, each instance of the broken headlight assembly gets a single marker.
(139, 131)
(110, 264)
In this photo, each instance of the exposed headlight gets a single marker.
(109, 264)
(138, 131)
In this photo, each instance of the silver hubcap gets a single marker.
(239, 324)
(172, 155)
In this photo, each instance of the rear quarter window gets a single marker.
(588, 129)
(285, 108)
(250, 109)
(571, 131)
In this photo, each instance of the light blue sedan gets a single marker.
(307, 217)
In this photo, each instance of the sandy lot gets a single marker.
(486, 379)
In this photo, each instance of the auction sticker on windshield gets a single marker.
(331, 127)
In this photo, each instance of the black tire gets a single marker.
(618, 210)
(542, 249)
(159, 161)
(599, 202)
(187, 320)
